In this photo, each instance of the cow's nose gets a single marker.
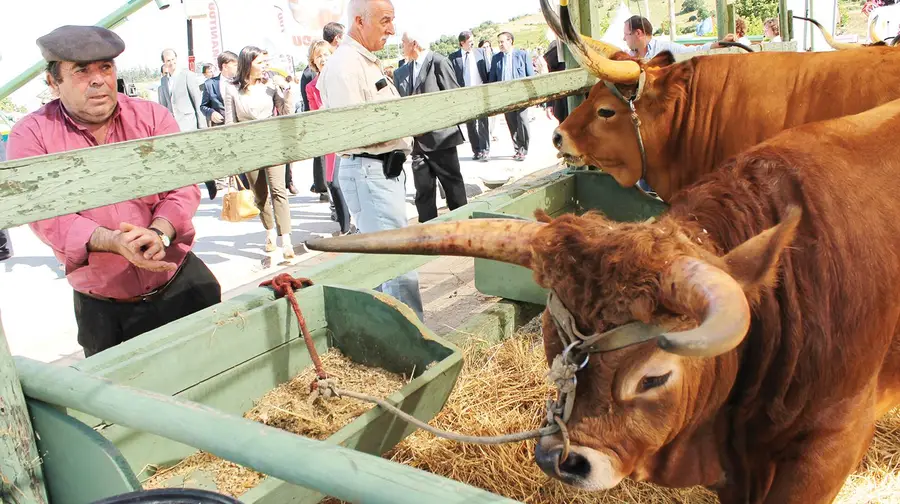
(574, 467)
(557, 139)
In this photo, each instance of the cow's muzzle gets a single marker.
(573, 469)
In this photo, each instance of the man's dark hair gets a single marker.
(206, 66)
(640, 23)
(465, 35)
(54, 71)
(225, 58)
(332, 31)
(510, 35)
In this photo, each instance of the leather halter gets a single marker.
(576, 344)
(635, 120)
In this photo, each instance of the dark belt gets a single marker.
(143, 298)
(376, 157)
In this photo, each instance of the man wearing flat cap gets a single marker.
(130, 263)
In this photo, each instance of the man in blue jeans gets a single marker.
(354, 75)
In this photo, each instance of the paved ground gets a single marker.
(36, 300)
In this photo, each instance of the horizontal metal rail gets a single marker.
(347, 474)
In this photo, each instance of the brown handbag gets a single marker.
(238, 203)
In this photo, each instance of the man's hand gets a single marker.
(727, 38)
(130, 244)
(216, 117)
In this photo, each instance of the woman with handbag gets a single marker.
(319, 52)
(256, 94)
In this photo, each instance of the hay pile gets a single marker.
(502, 390)
(287, 408)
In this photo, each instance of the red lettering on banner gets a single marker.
(214, 30)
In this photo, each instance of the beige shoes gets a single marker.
(287, 248)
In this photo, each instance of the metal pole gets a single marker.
(190, 43)
(672, 31)
(110, 21)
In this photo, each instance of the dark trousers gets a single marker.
(440, 165)
(519, 129)
(341, 211)
(105, 324)
(319, 175)
(6, 250)
(479, 136)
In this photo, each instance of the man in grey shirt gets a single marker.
(354, 75)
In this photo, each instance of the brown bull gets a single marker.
(770, 291)
(695, 114)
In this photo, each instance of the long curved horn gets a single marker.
(506, 240)
(706, 292)
(840, 46)
(873, 36)
(591, 54)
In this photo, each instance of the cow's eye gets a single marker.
(606, 113)
(651, 382)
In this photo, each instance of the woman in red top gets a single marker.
(318, 56)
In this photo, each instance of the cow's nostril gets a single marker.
(557, 139)
(547, 460)
(575, 465)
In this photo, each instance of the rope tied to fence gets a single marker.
(284, 285)
(326, 387)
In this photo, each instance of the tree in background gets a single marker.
(6, 105)
(754, 12)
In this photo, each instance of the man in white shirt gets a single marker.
(641, 42)
(371, 179)
(471, 66)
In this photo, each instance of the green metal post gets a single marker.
(784, 21)
(21, 479)
(721, 18)
(729, 20)
(111, 21)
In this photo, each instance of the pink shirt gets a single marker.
(315, 103)
(50, 130)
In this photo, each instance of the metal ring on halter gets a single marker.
(565, 355)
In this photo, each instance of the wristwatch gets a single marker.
(165, 239)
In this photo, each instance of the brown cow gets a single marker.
(697, 113)
(756, 321)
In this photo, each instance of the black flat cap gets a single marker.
(80, 44)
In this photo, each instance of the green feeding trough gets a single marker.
(576, 192)
(226, 359)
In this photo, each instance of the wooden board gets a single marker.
(47, 186)
(21, 477)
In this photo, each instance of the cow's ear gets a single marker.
(662, 59)
(754, 263)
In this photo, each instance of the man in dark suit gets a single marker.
(333, 33)
(211, 103)
(510, 64)
(472, 70)
(556, 63)
(434, 155)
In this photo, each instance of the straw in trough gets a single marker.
(287, 407)
(502, 389)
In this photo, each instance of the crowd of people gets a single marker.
(130, 264)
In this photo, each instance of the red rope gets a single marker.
(284, 285)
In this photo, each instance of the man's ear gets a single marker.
(754, 263)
